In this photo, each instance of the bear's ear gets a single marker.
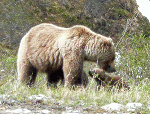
(109, 41)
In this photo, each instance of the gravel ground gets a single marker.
(39, 104)
(28, 107)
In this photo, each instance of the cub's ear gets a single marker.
(99, 72)
(91, 73)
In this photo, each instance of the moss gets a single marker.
(56, 8)
(116, 11)
(144, 26)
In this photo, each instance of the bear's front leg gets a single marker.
(72, 67)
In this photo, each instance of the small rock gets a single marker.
(70, 110)
(6, 99)
(26, 111)
(2, 108)
(18, 111)
(2, 70)
(113, 107)
(73, 112)
(4, 96)
(148, 107)
(45, 111)
(38, 98)
(131, 107)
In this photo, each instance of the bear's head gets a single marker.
(102, 50)
(107, 55)
(108, 65)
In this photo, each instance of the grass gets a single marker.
(81, 97)
(136, 57)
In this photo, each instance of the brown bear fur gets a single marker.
(103, 79)
(48, 48)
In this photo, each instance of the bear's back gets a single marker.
(42, 46)
(46, 29)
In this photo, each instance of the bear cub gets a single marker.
(103, 79)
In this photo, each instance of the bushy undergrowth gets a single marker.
(134, 56)
(133, 64)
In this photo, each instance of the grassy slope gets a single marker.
(17, 17)
(136, 57)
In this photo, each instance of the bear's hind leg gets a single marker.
(23, 73)
(26, 73)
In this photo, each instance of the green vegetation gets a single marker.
(135, 56)
(134, 66)
(17, 17)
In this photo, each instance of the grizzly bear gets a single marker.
(103, 79)
(47, 48)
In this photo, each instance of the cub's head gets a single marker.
(103, 79)
(98, 74)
